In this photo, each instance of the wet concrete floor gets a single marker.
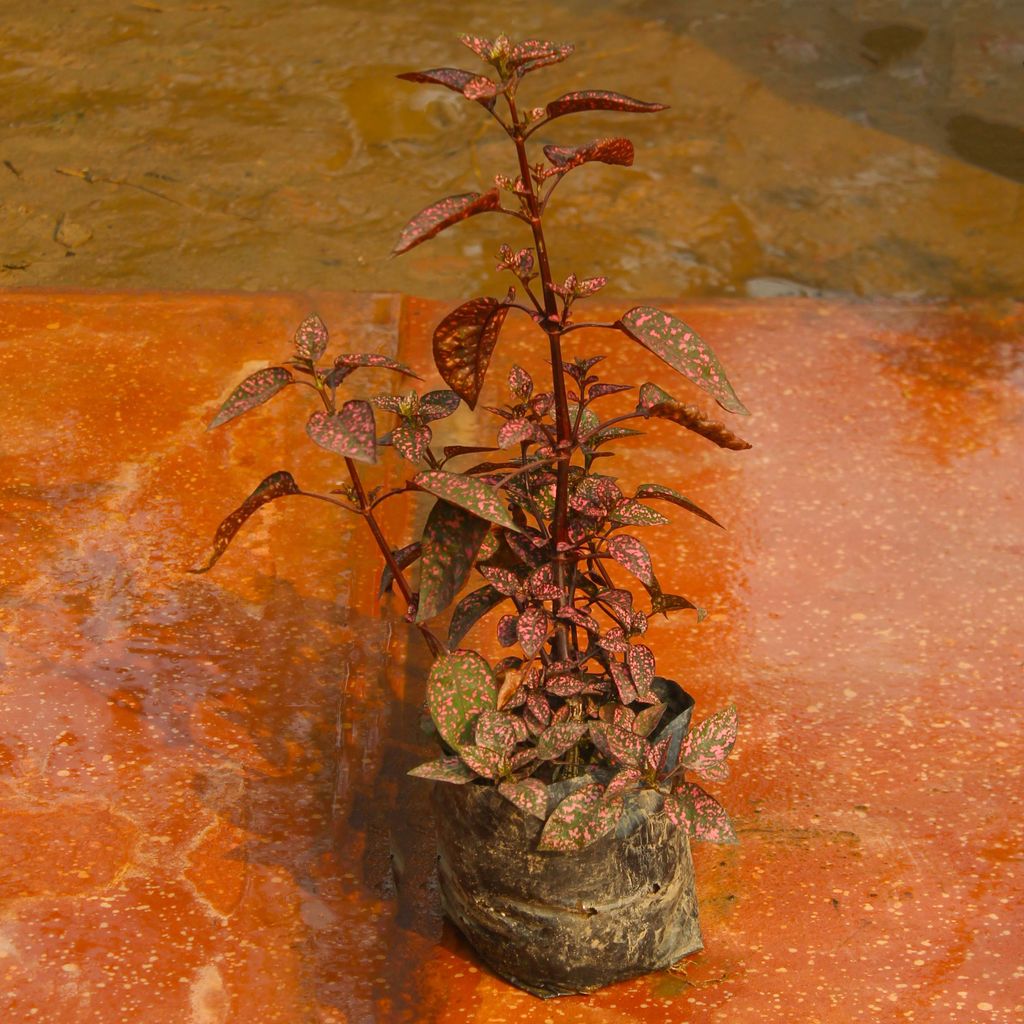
(204, 816)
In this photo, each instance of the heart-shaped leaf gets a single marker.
(667, 494)
(277, 485)
(681, 347)
(599, 99)
(633, 557)
(451, 539)
(473, 495)
(660, 405)
(445, 769)
(530, 796)
(256, 389)
(463, 343)
(311, 338)
(579, 819)
(351, 431)
(460, 687)
(470, 610)
(433, 219)
(708, 745)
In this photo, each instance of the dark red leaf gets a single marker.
(350, 361)
(256, 389)
(470, 610)
(598, 99)
(404, 557)
(451, 78)
(531, 54)
(350, 431)
(659, 404)
(277, 485)
(436, 405)
(681, 347)
(433, 219)
(606, 151)
(451, 538)
(667, 494)
(463, 343)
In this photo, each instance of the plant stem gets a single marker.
(553, 329)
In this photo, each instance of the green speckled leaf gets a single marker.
(680, 346)
(350, 431)
(530, 796)
(486, 763)
(632, 513)
(703, 817)
(460, 687)
(707, 746)
(473, 495)
(496, 731)
(558, 738)
(667, 494)
(579, 819)
(256, 389)
(451, 539)
(277, 485)
(311, 338)
(445, 769)
(640, 659)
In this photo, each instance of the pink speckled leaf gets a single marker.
(451, 78)
(484, 48)
(640, 659)
(626, 780)
(623, 682)
(708, 745)
(451, 539)
(460, 687)
(532, 630)
(445, 769)
(470, 610)
(481, 760)
(311, 338)
(703, 817)
(277, 485)
(404, 557)
(632, 513)
(581, 619)
(501, 579)
(480, 88)
(658, 404)
(411, 441)
(520, 383)
(436, 405)
(599, 99)
(680, 346)
(626, 747)
(473, 495)
(667, 494)
(349, 361)
(633, 557)
(433, 219)
(350, 431)
(463, 343)
(506, 630)
(514, 432)
(256, 389)
(531, 54)
(579, 819)
(530, 796)
(647, 719)
(606, 151)
(496, 731)
(558, 738)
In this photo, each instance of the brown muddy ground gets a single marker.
(872, 149)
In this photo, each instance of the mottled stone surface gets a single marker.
(202, 789)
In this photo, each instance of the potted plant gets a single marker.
(565, 801)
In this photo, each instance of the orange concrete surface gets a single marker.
(204, 813)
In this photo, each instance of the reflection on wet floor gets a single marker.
(205, 813)
(869, 149)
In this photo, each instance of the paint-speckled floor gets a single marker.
(202, 789)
